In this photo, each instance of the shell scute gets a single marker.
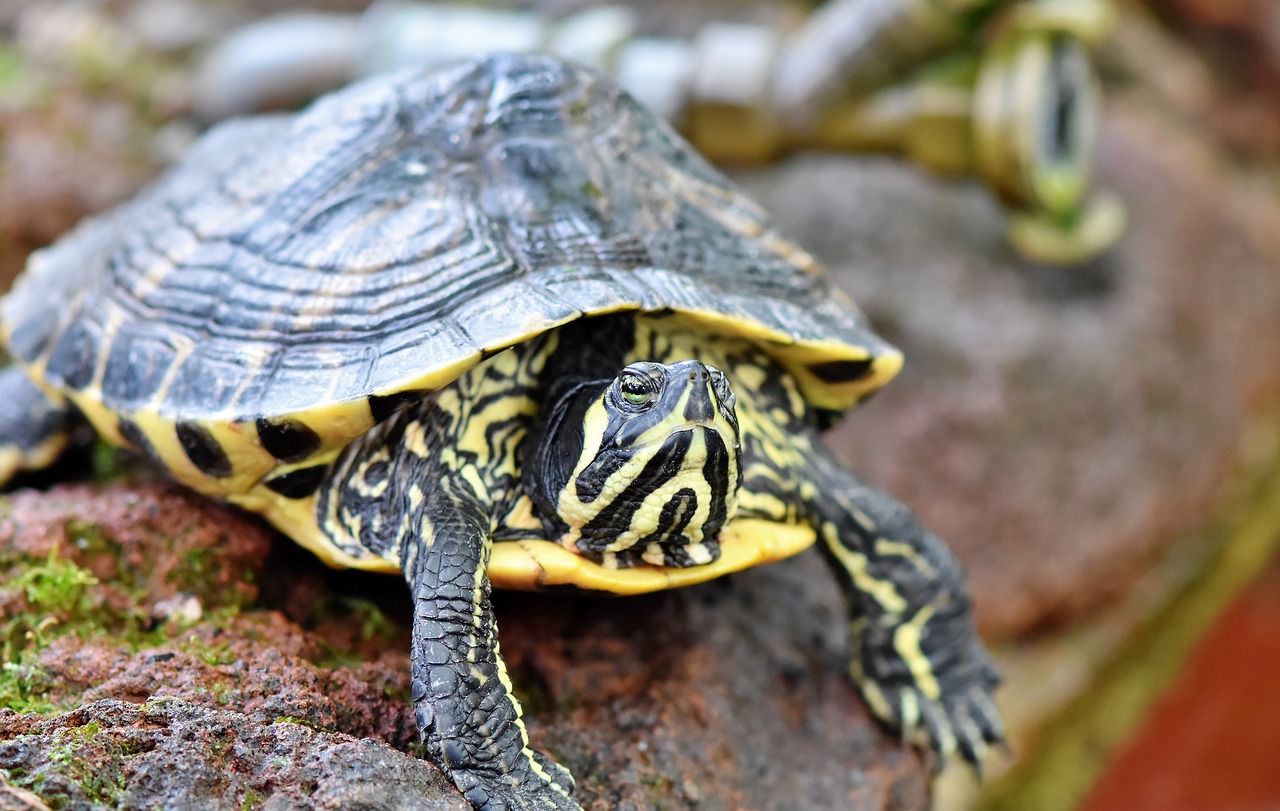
(388, 238)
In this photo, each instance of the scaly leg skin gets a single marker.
(427, 509)
(469, 719)
(916, 655)
(34, 429)
(420, 489)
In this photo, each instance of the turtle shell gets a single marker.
(298, 277)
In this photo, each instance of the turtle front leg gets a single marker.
(33, 428)
(916, 655)
(468, 717)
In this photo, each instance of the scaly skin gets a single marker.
(432, 487)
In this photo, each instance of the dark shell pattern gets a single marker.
(385, 240)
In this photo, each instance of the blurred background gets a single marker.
(1066, 212)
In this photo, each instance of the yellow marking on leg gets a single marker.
(359, 481)
(871, 691)
(415, 440)
(906, 641)
(909, 709)
(907, 552)
(856, 564)
(526, 750)
(762, 505)
(945, 735)
(873, 695)
(472, 477)
(863, 520)
(477, 622)
(521, 516)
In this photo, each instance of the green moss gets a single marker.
(346, 610)
(199, 571)
(212, 655)
(110, 462)
(252, 800)
(85, 758)
(24, 687)
(60, 599)
(302, 722)
(90, 537)
(58, 585)
(56, 592)
(373, 622)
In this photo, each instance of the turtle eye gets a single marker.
(722, 388)
(636, 391)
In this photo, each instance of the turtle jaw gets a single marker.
(658, 471)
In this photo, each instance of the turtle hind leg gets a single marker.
(34, 428)
(916, 655)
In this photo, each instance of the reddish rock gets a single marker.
(156, 539)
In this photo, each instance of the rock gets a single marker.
(732, 694)
(169, 753)
(663, 701)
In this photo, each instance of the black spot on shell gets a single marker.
(132, 434)
(841, 371)
(287, 440)
(384, 405)
(298, 483)
(827, 418)
(203, 450)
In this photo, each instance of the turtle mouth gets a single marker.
(679, 554)
(710, 424)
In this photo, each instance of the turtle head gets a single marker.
(641, 468)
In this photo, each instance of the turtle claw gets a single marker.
(956, 717)
(962, 721)
(499, 795)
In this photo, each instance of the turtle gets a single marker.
(494, 325)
